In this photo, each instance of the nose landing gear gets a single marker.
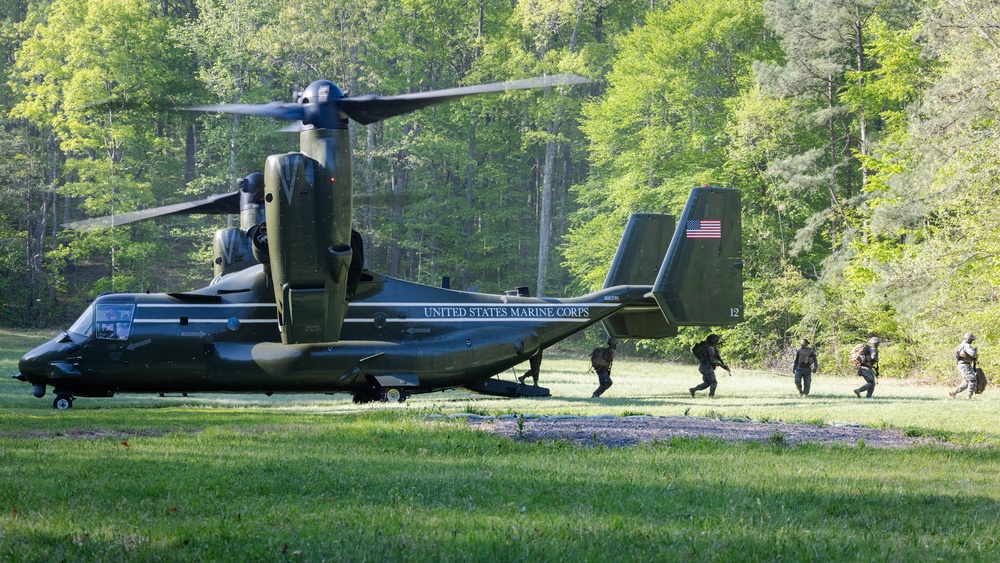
(63, 402)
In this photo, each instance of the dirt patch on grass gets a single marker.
(628, 431)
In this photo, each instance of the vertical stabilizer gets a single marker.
(701, 280)
(637, 262)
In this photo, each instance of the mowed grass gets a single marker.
(316, 478)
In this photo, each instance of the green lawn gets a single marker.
(317, 478)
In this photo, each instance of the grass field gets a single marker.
(316, 478)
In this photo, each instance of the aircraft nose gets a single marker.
(32, 370)
(34, 365)
(27, 366)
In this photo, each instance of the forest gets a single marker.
(863, 135)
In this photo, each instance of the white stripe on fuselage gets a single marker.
(206, 305)
(192, 321)
(448, 312)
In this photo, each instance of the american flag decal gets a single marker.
(703, 228)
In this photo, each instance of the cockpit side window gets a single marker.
(114, 320)
(85, 324)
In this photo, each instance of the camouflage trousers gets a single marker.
(604, 376)
(803, 379)
(532, 373)
(709, 382)
(968, 379)
(869, 386)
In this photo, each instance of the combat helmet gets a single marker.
(968, 337)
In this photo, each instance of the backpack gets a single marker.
(804, 360)
(981, 381)
(700, 349)
(858, 354)
(597, 360)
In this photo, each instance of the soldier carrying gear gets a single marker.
(868, 366)
(803, 367)
(967, 357)
(601, 360)
(709, 361)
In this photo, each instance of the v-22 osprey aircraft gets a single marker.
(292, 308)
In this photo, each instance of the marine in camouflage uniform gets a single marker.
(534, 364)
(803, 367)
(604, 371)
(967, 356)
(869, 368)
(709, 361)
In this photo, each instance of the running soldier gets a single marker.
(601, 360)
(967, 357)
(709, 360)
(804, 366)
(867, 363)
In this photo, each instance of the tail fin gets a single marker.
(637, 262)
(701, 280)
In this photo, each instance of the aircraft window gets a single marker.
(85, 324)
(114, 321)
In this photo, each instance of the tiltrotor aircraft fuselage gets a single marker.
(292, 308)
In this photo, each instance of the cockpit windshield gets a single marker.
(85, 324)
(114, 320)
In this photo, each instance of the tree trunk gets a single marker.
(545, 221)
(190, 149)
(469, 183)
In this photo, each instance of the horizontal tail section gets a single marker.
(637, 262)
(701, 280)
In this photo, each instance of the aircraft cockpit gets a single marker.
(114, 320)
(84, 325)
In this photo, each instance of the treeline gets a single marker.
(862, 133)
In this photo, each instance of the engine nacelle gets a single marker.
(230, 247)
(309, 240)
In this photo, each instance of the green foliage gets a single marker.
(98, 73)
(659, 130)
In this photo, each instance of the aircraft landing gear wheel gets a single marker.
(63, 402)
(393, 395)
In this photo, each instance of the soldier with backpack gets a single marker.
(803, 367)
(967, 357)
(865, 358)
(707, 353)
(601, 360)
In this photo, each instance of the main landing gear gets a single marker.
(393, 395)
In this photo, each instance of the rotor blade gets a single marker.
(277, 110)
(215, 205)
(369, 109)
